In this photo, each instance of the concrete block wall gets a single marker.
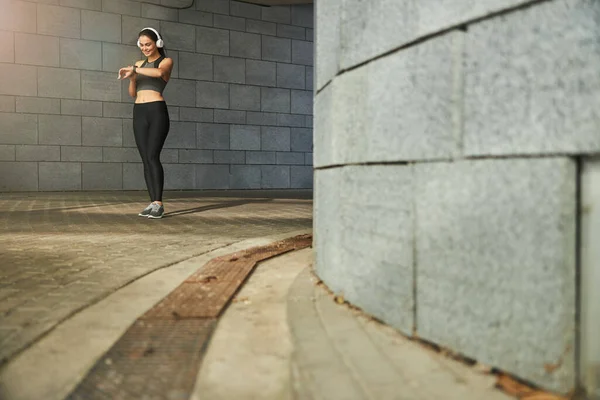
(448, 170)
(240, 97)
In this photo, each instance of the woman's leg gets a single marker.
(140, 132)
(157, 134)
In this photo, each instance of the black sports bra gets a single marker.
(144, 82)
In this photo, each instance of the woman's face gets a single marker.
(147, 45)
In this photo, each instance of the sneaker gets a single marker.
(146, 211)
(157, 211)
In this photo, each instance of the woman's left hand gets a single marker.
(126, 72)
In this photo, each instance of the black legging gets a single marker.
(150, 128)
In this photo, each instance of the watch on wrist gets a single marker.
(134, 69)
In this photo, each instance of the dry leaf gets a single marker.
(339, 299)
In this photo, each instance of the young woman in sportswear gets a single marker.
(147, 80)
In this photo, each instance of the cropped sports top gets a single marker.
(144, 82)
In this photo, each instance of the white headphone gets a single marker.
(159, 41)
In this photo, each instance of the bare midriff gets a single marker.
(148, 96)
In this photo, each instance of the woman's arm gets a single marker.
(132, 82)
(163, 71)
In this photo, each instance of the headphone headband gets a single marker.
(159, 41)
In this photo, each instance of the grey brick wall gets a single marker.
(242, 81)
(448, 168)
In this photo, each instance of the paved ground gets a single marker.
(79, 268)
(62, 252)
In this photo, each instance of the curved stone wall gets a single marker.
(448, 140)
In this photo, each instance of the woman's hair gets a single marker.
(149, 33)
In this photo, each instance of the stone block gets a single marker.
(495, 246)
(20, 80)
(8, 152)
(589, 359)
(302, 139)
(302, 52)
(131, 27)
(196, 17)
(102, 131)
(128, 137)
(261, 73)
(289, 158)
(244, 97)
(260, 118)
(59, 83)
(81, 107)
(275, 138)
(213, 6)
(58, 21)
(301, 177)
(18, 16)
(195, 66)
(262, 27)
(123, 7)
(275, 177)
(196, 156)
(212, 177)
(102, 86)
(246, 10)
(102, 176)
(212, 41)
(230, 117)
(245, 177)
(364, 31)
(275, 100)
(158, 12)
(369, 255)
(324, 129)
(116, 56)
(302, 102)
(7, 47)
(19, 177)
(179, 176)
(309, 121)
(291, 120)
(229, 157)
(81, 154)
(36, 49)
(310, 33)
(37, 153)
(169, 156)
(181, 92)
(120, 155)
(309, 78)
(244, 137)
(276, 49)
(80, 54)
(85, 4)
(117, 110)
(291, 76)
(280, 14)
(229, 22)
(18, 128)
(174, 55)
(55, 176)
(228, 69)
(100, 26)
(309, 159)
(291, 32)
(37, 105)
(244, 45)
(196, 114)
(523, 94)
(133, 177)
(59, 130)
(7, 104)
(212, 95)
(303, 15)
(178, 36)
(261, 157)
(182, 135)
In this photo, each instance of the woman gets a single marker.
(147, 80)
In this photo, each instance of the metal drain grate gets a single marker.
(159, 356)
